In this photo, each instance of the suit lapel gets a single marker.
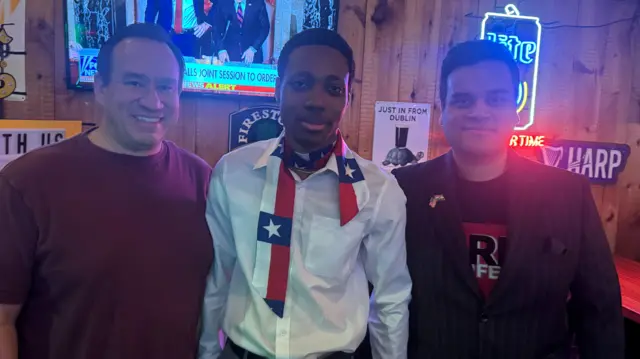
(521, 203)
(448, 221)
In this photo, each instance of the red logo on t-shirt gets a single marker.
(487, 246)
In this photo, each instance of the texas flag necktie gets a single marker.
(275, 222)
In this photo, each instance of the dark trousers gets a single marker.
(187, 42)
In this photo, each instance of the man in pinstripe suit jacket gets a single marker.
(508, 257)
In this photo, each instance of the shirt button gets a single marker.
(484, 318)
(283, 333)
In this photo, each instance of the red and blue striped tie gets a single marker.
(239, 14)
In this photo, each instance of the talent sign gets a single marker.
(600, 162)
(18, 137)
(521, 35)
(401, 133)
(254, 124)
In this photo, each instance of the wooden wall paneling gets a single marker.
(628, 229)
(39, 45)
(212, 128)
(451, 25)
(381, 68)
(615, 100)
(556, 100)
(351, 25)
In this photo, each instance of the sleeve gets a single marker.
(386, 268)
(18, 238)
(596, 304)
(219, 278)
(263, 28)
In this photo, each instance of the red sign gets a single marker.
(527, 141)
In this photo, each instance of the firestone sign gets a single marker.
(254, 124)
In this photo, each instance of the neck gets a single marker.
(300, 148)
(480, 168)
(102, 138)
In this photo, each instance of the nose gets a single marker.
(315, 102)
(480, 111)
(151, 100)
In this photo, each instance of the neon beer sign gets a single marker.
(521, 35)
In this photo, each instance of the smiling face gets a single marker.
(313, 96)
(480, 110)
(141, 99)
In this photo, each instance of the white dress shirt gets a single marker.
(189, 19)
(327, 302)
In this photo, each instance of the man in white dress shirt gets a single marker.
(302, 224)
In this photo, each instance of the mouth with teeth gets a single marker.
(148, 119)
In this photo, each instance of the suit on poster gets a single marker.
(235, 37)
(549, 255)
(162, 12)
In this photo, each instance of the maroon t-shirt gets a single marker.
(108, 253)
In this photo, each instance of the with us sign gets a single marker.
(600, 162)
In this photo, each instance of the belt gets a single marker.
(245, 354)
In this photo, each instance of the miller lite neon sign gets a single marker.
(521, 35)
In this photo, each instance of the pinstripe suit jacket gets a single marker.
(556, 246)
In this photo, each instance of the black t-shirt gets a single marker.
(483, 207)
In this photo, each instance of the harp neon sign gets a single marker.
(521, 35)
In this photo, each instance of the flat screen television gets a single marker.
(89, 23)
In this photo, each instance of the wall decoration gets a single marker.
(521, 35)
(12, 50)
(401, 133)
(600, 162)
(523, 141)
(254, 124)
(18, 137)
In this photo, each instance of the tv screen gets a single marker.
(229, 46)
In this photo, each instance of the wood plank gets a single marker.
(39, 35)
(629, 276)
(351, 25)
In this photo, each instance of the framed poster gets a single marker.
(401, 133)
(18, 137)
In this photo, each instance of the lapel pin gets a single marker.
(435, 199)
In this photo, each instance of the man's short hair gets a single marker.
(316, 37)
(139, 31)
(470, 53)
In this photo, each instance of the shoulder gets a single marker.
(421, 170)
(41, 162)
(548, 176)
(190, 159)
(245, 157)
(380, 182)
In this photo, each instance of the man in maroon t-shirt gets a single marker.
(104, 246)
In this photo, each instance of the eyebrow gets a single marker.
(146, 78)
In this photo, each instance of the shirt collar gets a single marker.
(332, 164)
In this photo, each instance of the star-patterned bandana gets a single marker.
(271, 272)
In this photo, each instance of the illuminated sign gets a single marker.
(600, 162)
(232, 77)
(521, 35)
(254, 124)
(527, 141)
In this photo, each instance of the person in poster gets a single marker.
(240, 29)
(508, 256)
(302, 224)
(187, 20)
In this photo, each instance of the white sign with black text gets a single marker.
(15, 143)
(401, 133)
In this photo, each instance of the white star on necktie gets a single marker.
(272, 228)
(348, 170)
